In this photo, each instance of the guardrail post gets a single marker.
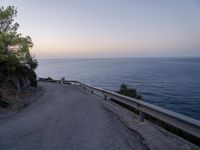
(141, 116)
(105, 97)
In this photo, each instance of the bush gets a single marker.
(49, 78)
(8, 64)
(3, 104)
(32, 62)
(124, 90)
(28, 73)
(33, 78)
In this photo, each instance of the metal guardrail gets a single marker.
(187, 124)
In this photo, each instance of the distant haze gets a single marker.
(110, 28)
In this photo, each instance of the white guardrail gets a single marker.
(187, 124)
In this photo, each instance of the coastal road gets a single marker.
(66, 117)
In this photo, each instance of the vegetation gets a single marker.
(3, 103)
(124, 90)
(46, 79)
(131, 92)
(49, 78)
(15, 58)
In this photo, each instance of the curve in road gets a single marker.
(66, 117)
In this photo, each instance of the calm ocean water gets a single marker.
(172, 83)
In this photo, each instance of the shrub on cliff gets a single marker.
(26, 72)
(125, 90)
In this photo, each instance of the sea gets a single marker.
(172, 83)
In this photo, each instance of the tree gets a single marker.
(15, 57)
(10, 40)
(32, 62)
(8, 29)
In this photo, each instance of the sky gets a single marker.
(110, 28)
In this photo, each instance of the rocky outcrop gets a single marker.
(13, 88)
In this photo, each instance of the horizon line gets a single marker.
(121, 57)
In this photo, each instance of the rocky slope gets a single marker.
(13, 90)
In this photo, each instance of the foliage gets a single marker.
(49, 78)
(6, 19)
(124, 90)
(10, 40)
(32, 77)
(26, 72)
(3, 104)
(15, 57)
(32, 62)
(8, 63)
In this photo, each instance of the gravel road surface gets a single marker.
(66, 117)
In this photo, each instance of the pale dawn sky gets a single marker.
(110, 28)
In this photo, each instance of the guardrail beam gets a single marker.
(187, 124)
